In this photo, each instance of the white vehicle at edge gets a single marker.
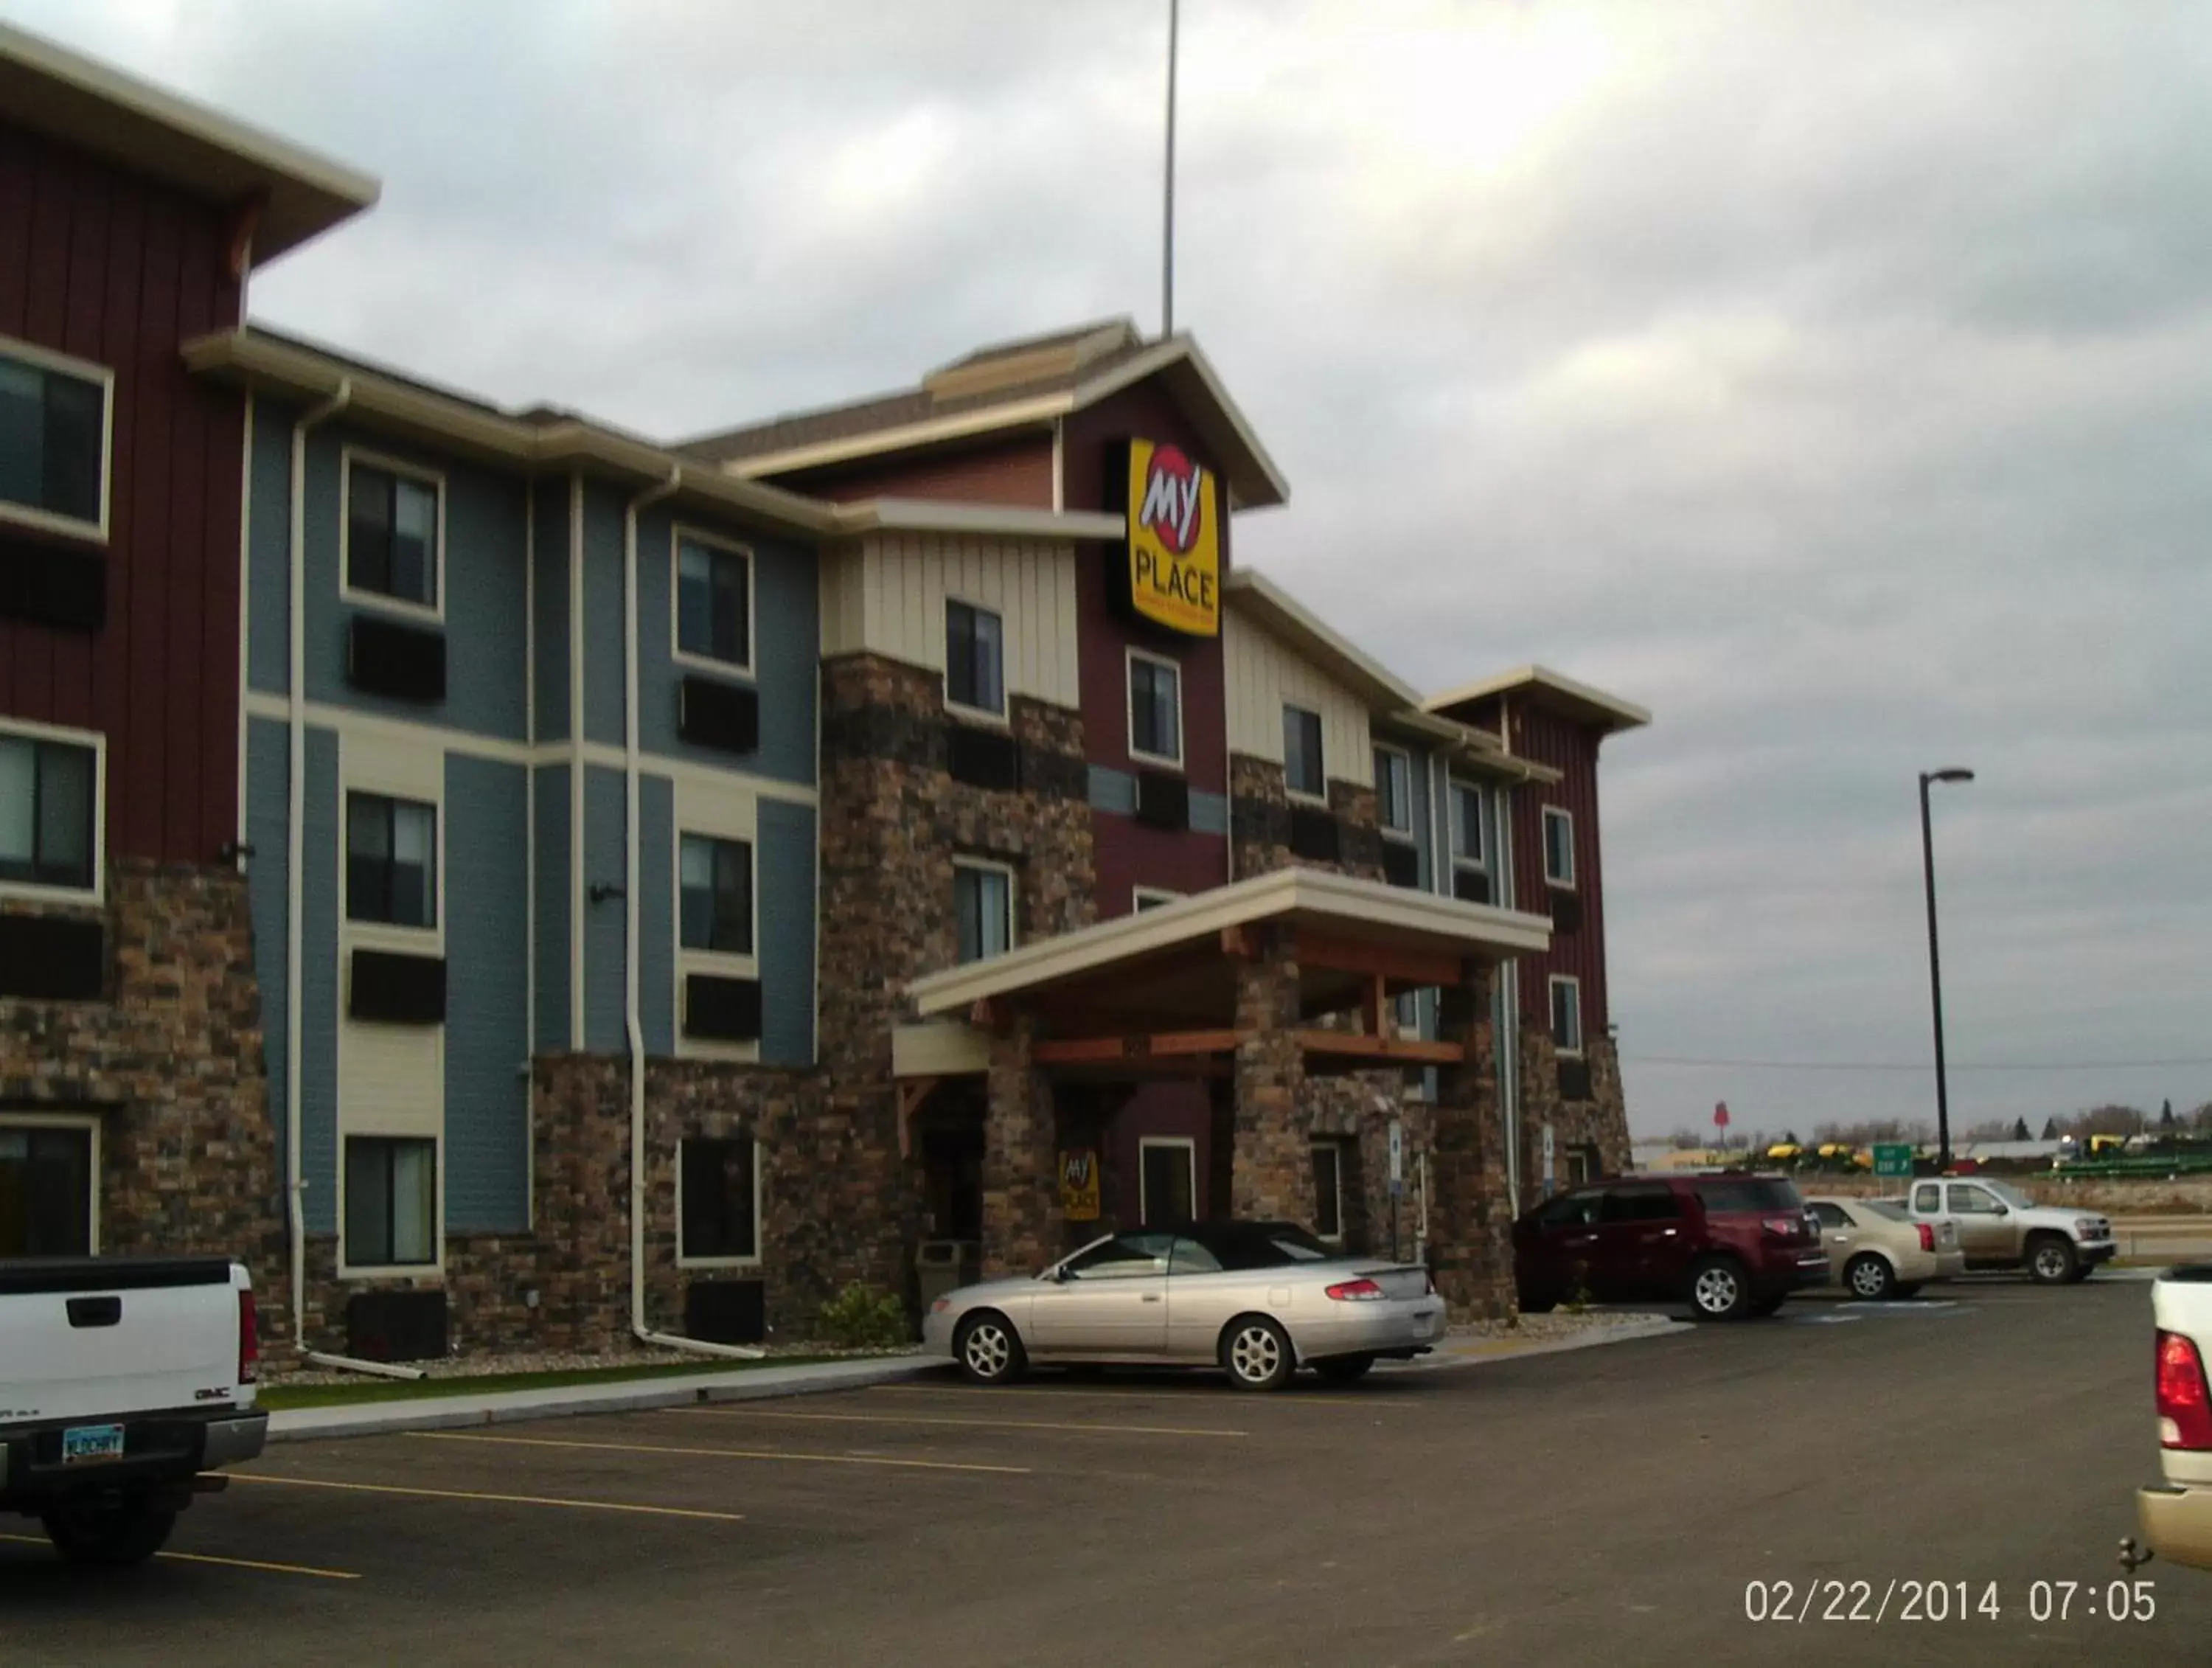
(2000, 1227)
(2176, 1517)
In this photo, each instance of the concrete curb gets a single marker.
(432, 1413)
(1481, 1352)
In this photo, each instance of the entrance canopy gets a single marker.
(1162, 989)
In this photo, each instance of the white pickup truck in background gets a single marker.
(2176, 1517)
(2000, 1227)
(122, 1382)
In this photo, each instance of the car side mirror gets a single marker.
(2004, 1210)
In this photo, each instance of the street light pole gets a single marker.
(1935, 962)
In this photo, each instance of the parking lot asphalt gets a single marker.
(1612, 1504)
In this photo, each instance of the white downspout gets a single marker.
(1508, 1046)
(295, 881)
(632, 1021)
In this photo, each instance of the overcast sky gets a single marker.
(1836, 381)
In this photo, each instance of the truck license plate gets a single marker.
(85, 1443)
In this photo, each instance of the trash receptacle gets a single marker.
(943, 1265)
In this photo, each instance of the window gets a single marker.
(1758, 1193)
(1188, 1257)
(53, 441)
(1167, 1179)
(391, 860)
(1967, 1200)
(713, 601)
(718, 1201)
(1328, 1189)
(1928, 1199)
(1567, 1013)
(1155, 709)
(1393, 791)
(983, 905)
(49, 1175)
(1405, 1011)
(1151, 897)
(1829, 1216)
(49, 812)
(1303, 772)
(1124, 1257)
(975, 658)
(1583, 1165)
(390, 1202)
(1576, 1210)
(1647, 1203)
(1558, 846)
(716, 883)
(1467, 846)
(392, 543)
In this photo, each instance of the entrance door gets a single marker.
(1108, 1300)
(1167, 1180)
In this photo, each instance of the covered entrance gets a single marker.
(1249, 990)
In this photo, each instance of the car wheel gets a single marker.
(1719, 1290)
(2051, 1260)
(115, 1534)
(1343, 1369)
(1870, 1278)
(1256, 1353)
(988, 1349)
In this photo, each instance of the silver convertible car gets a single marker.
(1258, 1299)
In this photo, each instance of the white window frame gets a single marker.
(678, 531)
(1321, 748)
(1405, 834)
(46, 359)
(349, 1270)
(1129, 707)
(1564, 883)
(990, 866)
(1335, 1147)
(1189, 1148)
(1582, 1036)
(1155, 896)
(760, 1225)
(377, 601)
(1000, 718)
(95, 896)
(716, 817)
(389, 934)
(18, 1118)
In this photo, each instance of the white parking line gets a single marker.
(728, 1412)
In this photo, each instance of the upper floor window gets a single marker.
(49, 1185)
(390, 1202)
(975, 658)
(1155, 709)
(716, 882)
(1467, 846)
(983, 906)
(49, 812)
(1567, 1013)
(391, 860)
(53, 440)
(1303, 772)
(1151, 897)
(1393, 791)
(713, 601)
(1558, 846)
(393, 520)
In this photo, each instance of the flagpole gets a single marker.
(1167, 237)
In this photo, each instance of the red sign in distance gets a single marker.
(1720, 1114)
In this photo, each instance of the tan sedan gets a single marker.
(1876, 1250)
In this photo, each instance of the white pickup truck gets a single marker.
(123, 1383)
(2177, 1516)
(2000, 1227)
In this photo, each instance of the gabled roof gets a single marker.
(202, 152)
(1554, 691)
(1015, 386)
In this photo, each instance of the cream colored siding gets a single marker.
(886, 594)
(1263, 677)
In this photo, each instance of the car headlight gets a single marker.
(2087, 1227)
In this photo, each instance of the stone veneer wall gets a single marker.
(1600, 1122)
(171, 1063)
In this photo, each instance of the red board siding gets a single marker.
(1573, 749)
(1017, 471)
(1128, 854)
(120, 270)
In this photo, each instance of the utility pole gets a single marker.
(1936, 965)
(1167, 235)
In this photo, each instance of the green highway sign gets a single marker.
(1893, 1158)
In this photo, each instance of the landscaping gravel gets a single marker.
(275, 1372)
(1559, 1323)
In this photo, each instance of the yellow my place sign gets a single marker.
(1079, 1184)
(1175, 540)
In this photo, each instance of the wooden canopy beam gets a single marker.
(1407, 1050)
(1134, 1046)
(912, 1092)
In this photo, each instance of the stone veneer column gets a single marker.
(1273, 1175)
(1021, 1214)
(1470, 1243)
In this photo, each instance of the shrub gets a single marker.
(863, 1317)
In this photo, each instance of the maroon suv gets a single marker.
(1729, 1245)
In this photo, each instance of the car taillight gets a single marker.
(1361, 1290)
(249, 1339)
(1782, 1227)
(2185, 1409)
(1927, 1236)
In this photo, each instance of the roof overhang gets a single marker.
(1007, 521)
(1275, 611)
(1174, 969)
(96, 108)
(1254, 480)
(1553, 690)
(1469, 750)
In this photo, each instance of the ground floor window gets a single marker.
(718, 1201)
(1168, 1179)
(390, 1202)
(48, 1174)
(1583, 1165)
(983, 905)
(1328, 1189)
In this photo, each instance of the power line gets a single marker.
(1916, 1066)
